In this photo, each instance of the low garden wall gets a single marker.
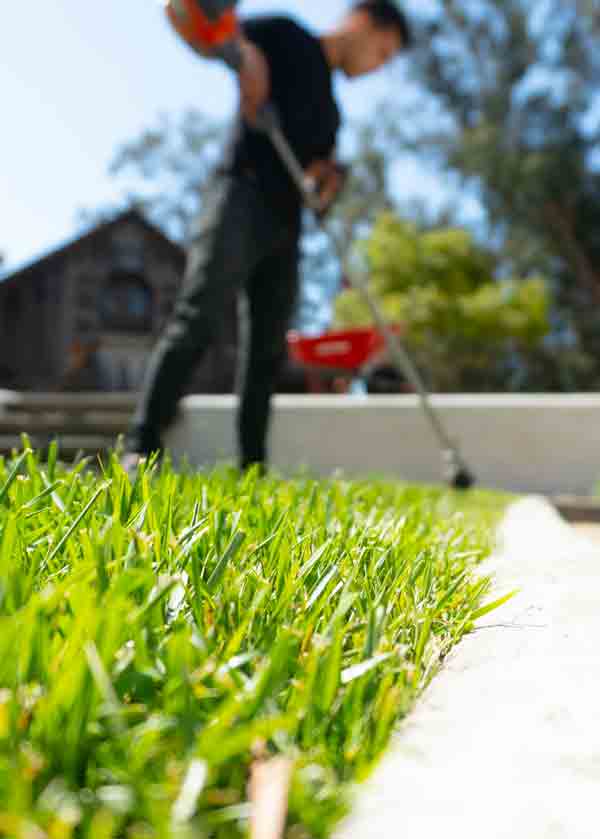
(525, 443)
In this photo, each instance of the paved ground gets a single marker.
(591, 531)
(505, 744)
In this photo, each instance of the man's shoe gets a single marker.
(259, 466)
(130, 463)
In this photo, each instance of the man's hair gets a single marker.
(387, 15)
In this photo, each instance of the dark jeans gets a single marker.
(238, 243)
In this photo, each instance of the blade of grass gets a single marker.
(64, 539)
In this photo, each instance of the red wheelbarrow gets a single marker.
(343, 350)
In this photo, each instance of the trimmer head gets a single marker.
(462, 480)
(456, 474)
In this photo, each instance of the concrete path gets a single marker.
(505, 743)
(592, 531)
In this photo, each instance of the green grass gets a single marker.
(152, 635)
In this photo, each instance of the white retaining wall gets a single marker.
(525, 443)
(5, 396)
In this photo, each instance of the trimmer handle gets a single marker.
(269, 123)
(231, 54)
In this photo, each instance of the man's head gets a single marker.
(372, 33)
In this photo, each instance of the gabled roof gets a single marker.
(99, 230)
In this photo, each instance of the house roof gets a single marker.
(99, 230)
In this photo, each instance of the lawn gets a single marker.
(160, 637)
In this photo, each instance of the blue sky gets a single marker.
(77, 79)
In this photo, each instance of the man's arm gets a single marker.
(255, 88)
(254, 79)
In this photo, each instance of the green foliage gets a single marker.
(464, 326)
(515, 83)
(152, 633)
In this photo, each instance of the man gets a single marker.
(247, 235)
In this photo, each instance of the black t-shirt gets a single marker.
(302, 93)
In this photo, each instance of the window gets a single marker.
(126, 303)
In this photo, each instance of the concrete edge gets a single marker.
(412, 791)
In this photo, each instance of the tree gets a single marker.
(515, 92)
(466, 330)
(165, 171)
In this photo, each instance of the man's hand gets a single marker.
(329, 177)
(254, 80)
